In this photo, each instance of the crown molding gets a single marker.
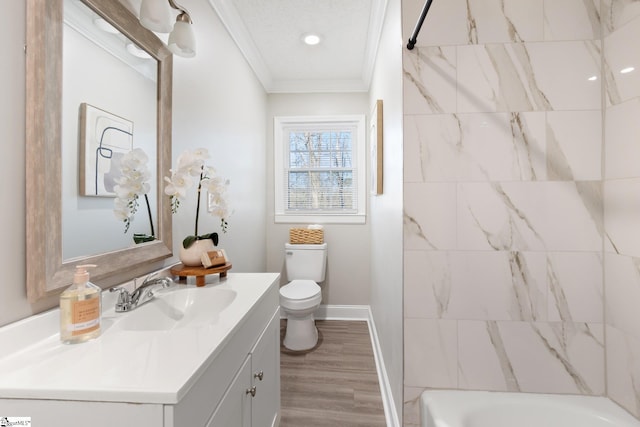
(234, 24)
(376, 21)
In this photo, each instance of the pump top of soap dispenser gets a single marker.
(82, 275)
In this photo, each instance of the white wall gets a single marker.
(386, 209)
(218, 103)
(348, 257)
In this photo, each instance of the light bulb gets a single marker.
(155, 15)
(182, 40)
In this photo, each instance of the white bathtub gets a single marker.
(453, 408)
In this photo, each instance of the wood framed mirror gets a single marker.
(48, 270)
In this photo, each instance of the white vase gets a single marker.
(192, 256)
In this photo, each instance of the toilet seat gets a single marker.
(300, 294)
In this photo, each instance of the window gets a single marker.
(320, 169)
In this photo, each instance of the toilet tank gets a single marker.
(307, 262)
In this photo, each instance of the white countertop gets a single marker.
(121, 365)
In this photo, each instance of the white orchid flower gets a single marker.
(130, 185)
(192, 164)
(121, 209)
(201, 153)
(214, 184)
(135, 159)
(178, 185)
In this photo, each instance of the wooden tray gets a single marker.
(182, 271)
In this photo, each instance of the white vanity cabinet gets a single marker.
(230, 391)
(235, 407)
(222, 374)
(253, 398)
(265, 376)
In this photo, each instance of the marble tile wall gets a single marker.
(621, 32)
(503, 192)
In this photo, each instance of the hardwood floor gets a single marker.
(335, 383)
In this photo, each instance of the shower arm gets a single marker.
(416, 30)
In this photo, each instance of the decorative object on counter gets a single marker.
(80, 309)
(214, 258)
(133, 182)
(184, 271)
(192, 256)
(191, 167)
(312, 235)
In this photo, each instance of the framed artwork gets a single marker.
(104, 139)
(375, 147)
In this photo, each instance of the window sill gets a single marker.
(321, 219)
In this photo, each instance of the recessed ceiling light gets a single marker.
(627, 70)
(105, 26)
(593, 78)
(311, 39)
(137, 52)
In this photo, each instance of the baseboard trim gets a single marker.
(343, 312)
(363, 313)
(339, 312)
(390, 413)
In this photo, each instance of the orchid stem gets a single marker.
(198, 203)
(146, 199)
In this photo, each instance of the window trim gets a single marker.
(279, 124)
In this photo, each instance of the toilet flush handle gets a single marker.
(289, 252)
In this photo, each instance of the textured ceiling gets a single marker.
(269, 33)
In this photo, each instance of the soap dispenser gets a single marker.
(80, 309)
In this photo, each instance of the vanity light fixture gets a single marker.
(156, 16)
(311, 39)
(182, 40)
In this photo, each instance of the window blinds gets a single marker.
(320, 170)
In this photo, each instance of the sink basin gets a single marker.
(178, 307)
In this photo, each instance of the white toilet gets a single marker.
(301, 297)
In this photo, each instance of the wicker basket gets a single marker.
(305, 236)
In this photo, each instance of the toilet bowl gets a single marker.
(300, 299)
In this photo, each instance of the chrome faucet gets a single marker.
(142, 294)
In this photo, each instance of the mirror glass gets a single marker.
(89, 101)
(108, 109)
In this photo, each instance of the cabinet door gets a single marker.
(265, 366)
(234, 410)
